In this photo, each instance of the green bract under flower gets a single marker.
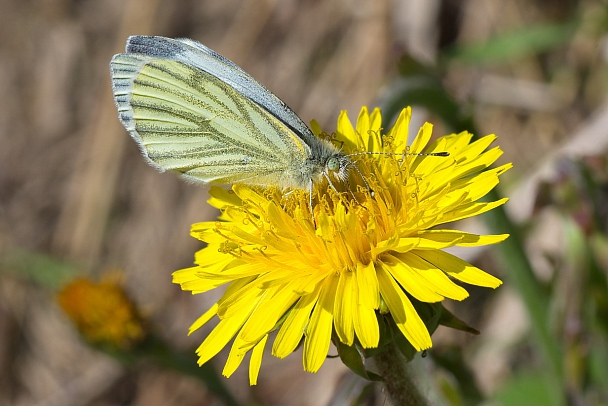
(310, 276)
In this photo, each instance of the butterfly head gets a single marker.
(338, 165)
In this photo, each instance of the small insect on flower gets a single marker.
(193, 111)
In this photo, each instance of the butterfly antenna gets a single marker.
(370, 190)
(442, 153)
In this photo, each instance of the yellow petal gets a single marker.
(221, 197)
(201, 321)
(433, 277)
(423, 137)
(219, 337)
(460, 269)
(460, 238)
(475, 148)
(375, 120)
(452, 143)
(343, 308)
(400, 131)
(315, 127)
(363, 128)
(256, 361)
(291, 331)
(364, 304)
(394, 243)
(411, 282)
(409, 243)
(235, 358)
(346, 132)
(479, 185)
(367, 283)
(469, 210)
(273, 304)
(318, 331)
(402, 311)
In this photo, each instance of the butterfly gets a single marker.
(193, 111)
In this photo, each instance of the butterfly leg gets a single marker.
(310, 200)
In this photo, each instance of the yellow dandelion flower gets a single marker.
(102, 311)
(314, 278)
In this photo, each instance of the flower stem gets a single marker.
(398, 378)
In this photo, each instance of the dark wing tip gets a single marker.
(158, 47)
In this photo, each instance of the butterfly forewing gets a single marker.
(193, 53)
(191, 121)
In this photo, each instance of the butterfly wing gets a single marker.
(195, 112)
(189, 51)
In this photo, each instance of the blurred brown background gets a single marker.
(74, 188)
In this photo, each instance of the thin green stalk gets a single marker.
(398, 379)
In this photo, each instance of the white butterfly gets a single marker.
(195, 112)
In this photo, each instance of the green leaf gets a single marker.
(529, 388)
(430, 313)
(514, 44)
(42, 269)
(355, 360)
(448, 319)
(598, 364)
